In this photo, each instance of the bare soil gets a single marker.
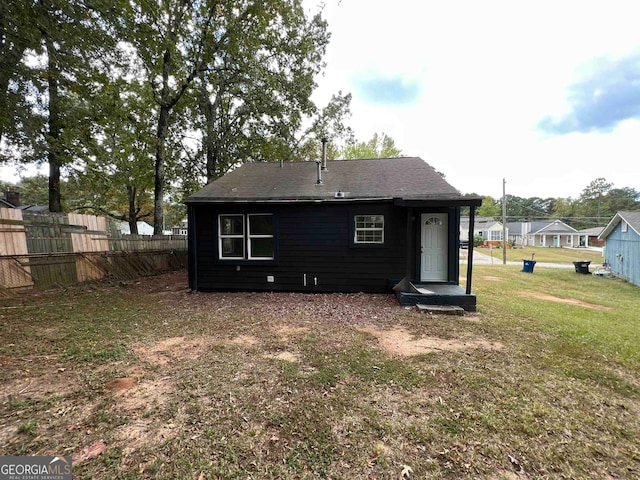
(569, 301)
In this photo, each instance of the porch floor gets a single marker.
(433, 294)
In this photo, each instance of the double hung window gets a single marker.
(369, 229)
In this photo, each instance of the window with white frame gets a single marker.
(495, 235)
(246, 237)
(623, 226)
(231, 237)
(369, 229)
(260, 236)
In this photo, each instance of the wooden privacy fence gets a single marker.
(46, 250)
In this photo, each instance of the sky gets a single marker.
(543, 94)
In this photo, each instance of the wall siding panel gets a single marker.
(315, 240)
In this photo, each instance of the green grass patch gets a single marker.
(545, 254)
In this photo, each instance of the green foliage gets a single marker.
(379, 146)
(28, 427)
(64, 43)
(596, 205)
(489, 208)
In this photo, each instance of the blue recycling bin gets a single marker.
(528, 265)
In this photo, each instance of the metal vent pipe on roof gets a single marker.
(319, 164)
(324, 152)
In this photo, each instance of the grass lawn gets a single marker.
(545, 254)
(543, 382)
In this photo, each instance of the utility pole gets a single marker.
(504, 223)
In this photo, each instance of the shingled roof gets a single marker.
(631, 217)
(407, 178)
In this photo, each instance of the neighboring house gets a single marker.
(343, 226)
(143, 228)
(545, 233)
(622, 246)
(486, 228)
(182, 229)
(589, 237)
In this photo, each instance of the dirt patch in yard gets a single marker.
(570, 301)
(491, 278)
(286, 356)
(401, 341)
(170, 350)
(118, 385)
(179, 349)
(285, 332)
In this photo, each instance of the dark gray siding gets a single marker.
(312, 240)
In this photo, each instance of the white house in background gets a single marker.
(182, 229)
(487, 228)
(143, 228)
(544, 233)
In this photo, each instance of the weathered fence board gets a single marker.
(46, 250)
(13, 241)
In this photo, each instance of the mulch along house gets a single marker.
(331, 226)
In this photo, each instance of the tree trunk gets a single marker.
(210, 112)
(161, 146)
(54, 124)
(161, 154)
(131, 214)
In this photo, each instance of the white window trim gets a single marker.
(367, 229)
(250, 236)
(246, 236)
(624, 226)
(222, 236)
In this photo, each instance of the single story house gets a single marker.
(330, 226)
(487, 228)
(622, 245)
(543, 233)
(589, 237)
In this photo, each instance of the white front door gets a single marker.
(433, 247)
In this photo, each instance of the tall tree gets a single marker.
(489, 208)
(172, 39)
(257, 85)
(591, 201)
(625, 198)
(16, 36)
(379, 146)
(116, 177)
(329, 123)
(56, 73)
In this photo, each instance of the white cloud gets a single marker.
(488, 73)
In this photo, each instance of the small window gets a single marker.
(623, 226)
(369, 229)
(433, 221)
